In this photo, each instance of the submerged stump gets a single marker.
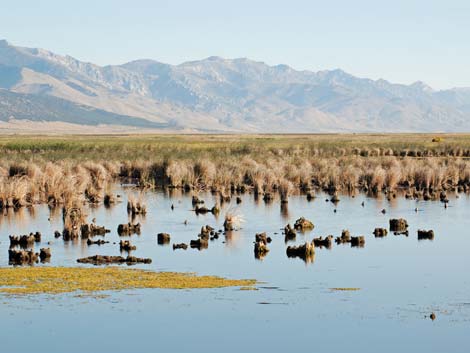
(425, 234)
(399, 225)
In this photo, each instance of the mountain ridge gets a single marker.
(231, 95)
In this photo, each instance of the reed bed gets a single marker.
(64, 171)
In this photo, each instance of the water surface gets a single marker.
(401, 280)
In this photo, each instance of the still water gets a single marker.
(401, 280)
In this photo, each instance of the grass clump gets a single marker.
(56, 280)
(136, 206)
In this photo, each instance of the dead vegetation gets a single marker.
(425, 176)
(107, 260)
(267, 167)
(232, 221)
(136, 206)
(306, 252)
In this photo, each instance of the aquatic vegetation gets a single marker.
(261, 250)
(163, 238)
(425, 234)
(289, 232)
(96, 242)
(74, 218)
(54, 280)
(358, 241)
(91, 230)
(262, 237)
(21, 257)
(344, 289)
(180, 246)
(380, 232)
(303, 224)
(326, 242)
(83, 168)
(200, 243)
(285, 189)
(108, 260)
(136, 206)
(399, 225)
(344, 238)
(25, 241)
(45, 254)
(128, 229)
(306, 252)
(126, 245)
(232, 220)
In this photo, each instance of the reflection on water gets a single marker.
(20, 215)
(233, 239)
(285, 211)
(401, 280)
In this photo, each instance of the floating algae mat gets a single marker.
(53, 280)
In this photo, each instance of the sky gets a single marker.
(400, 41)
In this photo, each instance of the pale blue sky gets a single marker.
(401, 41)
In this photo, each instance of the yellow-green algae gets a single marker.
(342, 289)
(55, 280)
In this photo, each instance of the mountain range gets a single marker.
(215, 95)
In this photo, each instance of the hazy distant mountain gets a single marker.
(34, 107)
(217, 94)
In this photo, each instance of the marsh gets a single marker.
(391, 282)
(399, 280)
